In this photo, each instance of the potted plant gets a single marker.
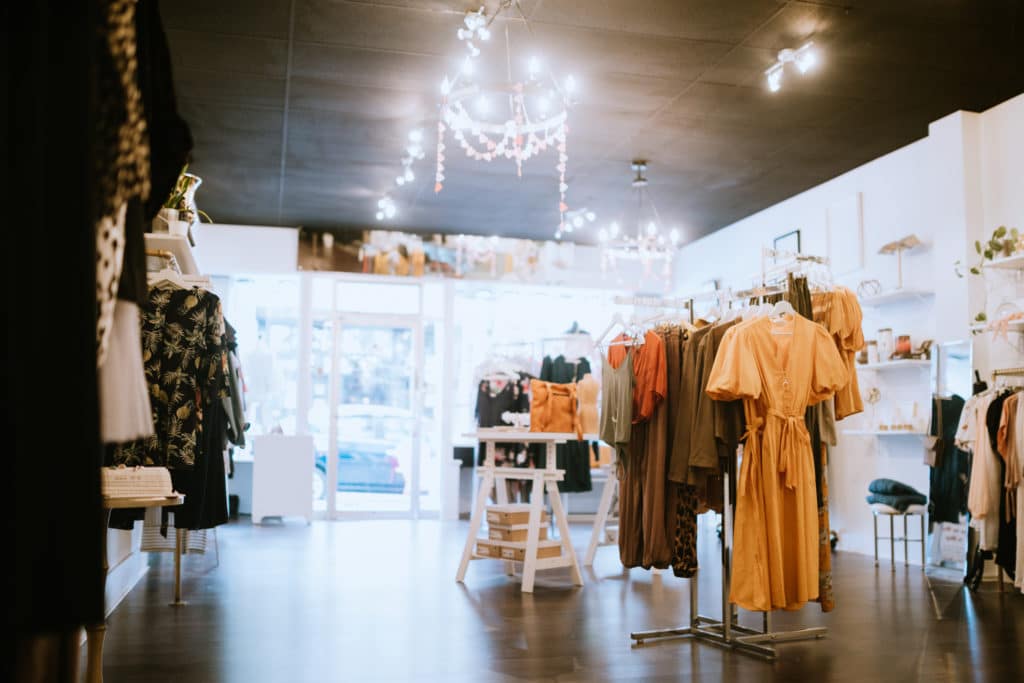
(180, 212)
(1003, 242)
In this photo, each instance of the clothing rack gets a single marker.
(1007, 372)
(727, 632)
(679, 303)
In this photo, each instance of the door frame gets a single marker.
(414, 322)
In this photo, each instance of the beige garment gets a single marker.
(778, 370)
(587, 390)
(985, 486)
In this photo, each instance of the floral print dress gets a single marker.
(184, 353)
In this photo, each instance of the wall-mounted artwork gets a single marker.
(846, 235)
(788, 242)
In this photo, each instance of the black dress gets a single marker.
(185, 356)
(947, 479)
(491, 403)
(573, 457)
(1006, 552)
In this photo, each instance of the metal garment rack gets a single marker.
(727, 631)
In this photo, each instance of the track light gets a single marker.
(803, 58)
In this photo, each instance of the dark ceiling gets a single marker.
(300, 108)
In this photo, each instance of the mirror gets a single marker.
(952, 369)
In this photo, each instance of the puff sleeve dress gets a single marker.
(777, 368)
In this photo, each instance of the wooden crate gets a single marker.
(500, 533)
(505, 550)
(512, 514)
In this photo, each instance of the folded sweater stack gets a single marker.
(895, 494)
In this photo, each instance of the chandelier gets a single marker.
(512, 118)
(646, 241)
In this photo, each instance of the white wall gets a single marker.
(126, 564)
(1001, 152)
(228, 249)
(965, 177)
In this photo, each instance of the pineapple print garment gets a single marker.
(183, 350)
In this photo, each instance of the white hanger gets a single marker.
(782, 308)
(616, 320)
(166, 275)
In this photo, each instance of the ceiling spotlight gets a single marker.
(614, 229)
(652, 229)
(381, 203)
(446, 86)
(570, 84)
(416, 135)
(534, 66)
(409, 175)
(380, 215)
(673, 235)
(804, 58)
(591, 216)
(577, 221)
(484, 33)
(390, 211)
(400, 180)
(467, 67)
(602, 235)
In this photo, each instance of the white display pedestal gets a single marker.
(282, 477)
(493, 477)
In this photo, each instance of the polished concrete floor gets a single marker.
(377, 601)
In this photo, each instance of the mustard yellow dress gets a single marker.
(778, 368)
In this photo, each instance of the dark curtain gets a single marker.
(57, 582)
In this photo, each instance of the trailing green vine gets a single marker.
(1003, 242)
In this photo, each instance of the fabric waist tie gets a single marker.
(794, 432)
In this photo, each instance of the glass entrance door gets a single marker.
(374, 427)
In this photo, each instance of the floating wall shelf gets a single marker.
(1015, 262)
(896, 296)
(894, 364)
(891, 432)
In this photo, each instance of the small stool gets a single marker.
(891, 512)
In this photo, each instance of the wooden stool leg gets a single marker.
(924, 539)
(474, 523)
(600, 520)
(874, 519)
(563, 532)
(533, 532)
(906, 543)
(892, 543)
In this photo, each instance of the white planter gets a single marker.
(164, 219)
(177, 227)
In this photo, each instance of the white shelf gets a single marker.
(891, 432)
(1013, 326)
(896, 296)
(1015, 262)
(894, 364)
(177, 245)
